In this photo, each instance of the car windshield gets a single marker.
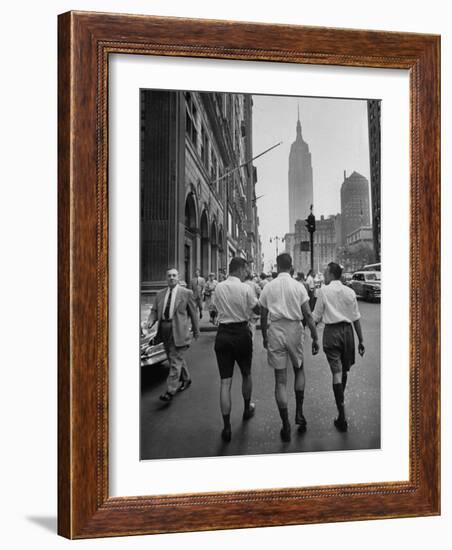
(373, 277)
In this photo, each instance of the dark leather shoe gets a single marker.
(185, 385)
(341, 424)
(249, 412)
(285, 433)
(167, 397)
(301, 421)
(226, 435)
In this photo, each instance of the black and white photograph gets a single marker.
(260, 274)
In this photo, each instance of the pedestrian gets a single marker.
(197, 285)
(234, 301)
(209, 289)
(172, 309)
(263, 280)
(337, 307)
(287, 303)
(310, 281)
(256, 289)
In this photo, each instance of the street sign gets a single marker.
(304, 246)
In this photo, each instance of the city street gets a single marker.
(191, 424)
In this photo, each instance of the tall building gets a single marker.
(301, 194)
(373, 116)
(198, 206)
(355, 207)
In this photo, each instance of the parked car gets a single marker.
(347, 278)
(151, 352)
(367, 284)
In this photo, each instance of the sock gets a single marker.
(344, 380)
(299, 397)
(283, 413)
(339, 396)
(227, 420)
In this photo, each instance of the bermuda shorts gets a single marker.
(339, 346)
(285, 344)
(234, 344)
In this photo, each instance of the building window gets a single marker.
(204, 147)
(191, 119)
(213, 165)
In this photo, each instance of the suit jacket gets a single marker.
(197, 286)
(184, 308)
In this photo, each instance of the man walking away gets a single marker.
(197, 285)
(234, 302)
(173, 306)
(287, 302)
(337, 306)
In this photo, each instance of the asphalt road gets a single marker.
(191, 424)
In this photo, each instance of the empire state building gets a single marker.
(300, 179)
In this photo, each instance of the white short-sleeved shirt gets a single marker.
(234, 300)
(336, 303)
(283, 297)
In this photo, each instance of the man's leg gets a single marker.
(184, 379)
(225, 360)
(243, 346)
(225, 405)
(338, 390)
(281, 401)
(344, 379)
(299, 385)
(177, 362)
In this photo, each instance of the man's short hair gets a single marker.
(172, 269)
(335, 270)
(284, 261)
(237, 263)
(263, 275)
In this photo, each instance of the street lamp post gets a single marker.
(310, 226)
(276, 238)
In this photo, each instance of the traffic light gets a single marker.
(310, 223)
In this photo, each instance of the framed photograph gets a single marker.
(249, 275)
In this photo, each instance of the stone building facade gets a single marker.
(374, 116)
(326, 243)
(198, 202)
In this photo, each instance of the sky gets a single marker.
(336, 133)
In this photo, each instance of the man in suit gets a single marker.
(172, 308)
(197, 285)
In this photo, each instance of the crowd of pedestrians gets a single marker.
(285, 304)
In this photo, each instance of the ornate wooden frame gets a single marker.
(85, 42)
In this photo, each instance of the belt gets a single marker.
(166, 320)
(341, 323)
(232, 325)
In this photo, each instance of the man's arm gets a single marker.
(310, 322)
(264, 324)
(357, 325)
(193, 314)
(319, 308)
(359, 333)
